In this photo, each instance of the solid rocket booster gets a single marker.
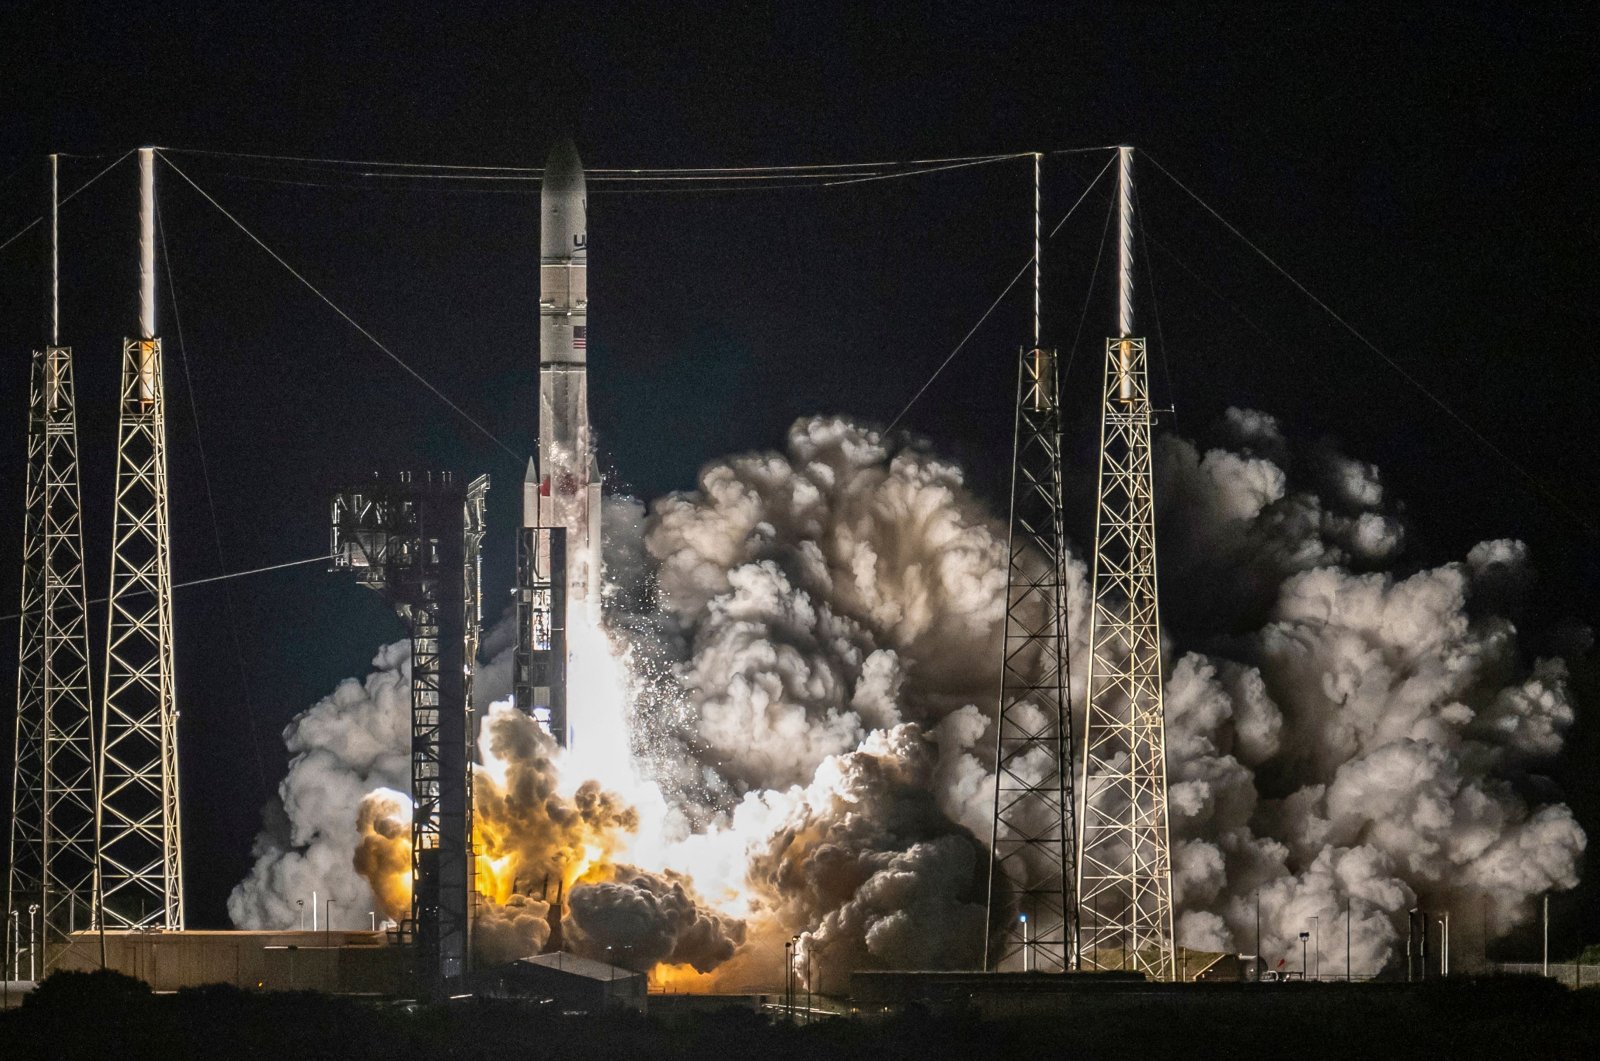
(569, 487)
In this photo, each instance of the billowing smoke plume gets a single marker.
(641, 919)
(1337, 733)
(352, 743)
(813, 640)
(1365, 738)
(531, 839)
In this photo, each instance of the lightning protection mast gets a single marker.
(1031, 923)
(52, 862)
(141, 860)
(1125, 869)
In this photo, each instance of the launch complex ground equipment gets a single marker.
(540, 678)
(417, 542)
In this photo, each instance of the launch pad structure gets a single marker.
(1081, 869)
(95, 826)
(1031, 843)
(1080, 876)
(51, 851)
(418, 543)
(1124, 865)
(139, 824)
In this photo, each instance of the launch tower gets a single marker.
(1124, 868)
(418, 543)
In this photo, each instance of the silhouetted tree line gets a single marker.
(106, 1014)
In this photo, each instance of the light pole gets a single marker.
(1413, 966)
(1257, 969)
(1316, 937)
(327, 949)
(15, 972)
(794, 952)
(1027, 946)
(808, 985)
(788, 970)
(1444, 944)
(33, 941)
(301, 903)
(1546, 961)
(1347, 976)
(1304, 936)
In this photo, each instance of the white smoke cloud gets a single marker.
(813, 639)
(353, 742)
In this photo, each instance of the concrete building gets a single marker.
(574, 984)
(342, 962)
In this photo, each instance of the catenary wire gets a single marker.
(1020, 272)
(1088, 295)
(211, 504)
(540, 169)
(1400, 369)
(1155, 305)
(419, 377)
(324, 558)
(67, 199)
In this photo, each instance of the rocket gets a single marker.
(558, 567)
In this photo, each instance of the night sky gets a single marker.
(1429, 176)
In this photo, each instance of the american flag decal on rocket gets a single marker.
(580, 337)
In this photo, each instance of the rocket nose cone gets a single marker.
(562, 170)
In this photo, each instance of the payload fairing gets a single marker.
(558, 558)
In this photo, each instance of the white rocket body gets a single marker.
(565, 491)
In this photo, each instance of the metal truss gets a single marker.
(540, 680)
(52, 854)
(1032, 920)
(1124, 870)
(141, 849)
(418, 544)
(474, 529)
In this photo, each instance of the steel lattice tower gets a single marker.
(1031, 844)
(1032, 840)
(419, 543)
(51, 854)
(1124, 869)
(141, 862)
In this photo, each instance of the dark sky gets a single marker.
(1428, 175)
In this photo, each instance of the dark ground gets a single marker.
(107, 1015)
